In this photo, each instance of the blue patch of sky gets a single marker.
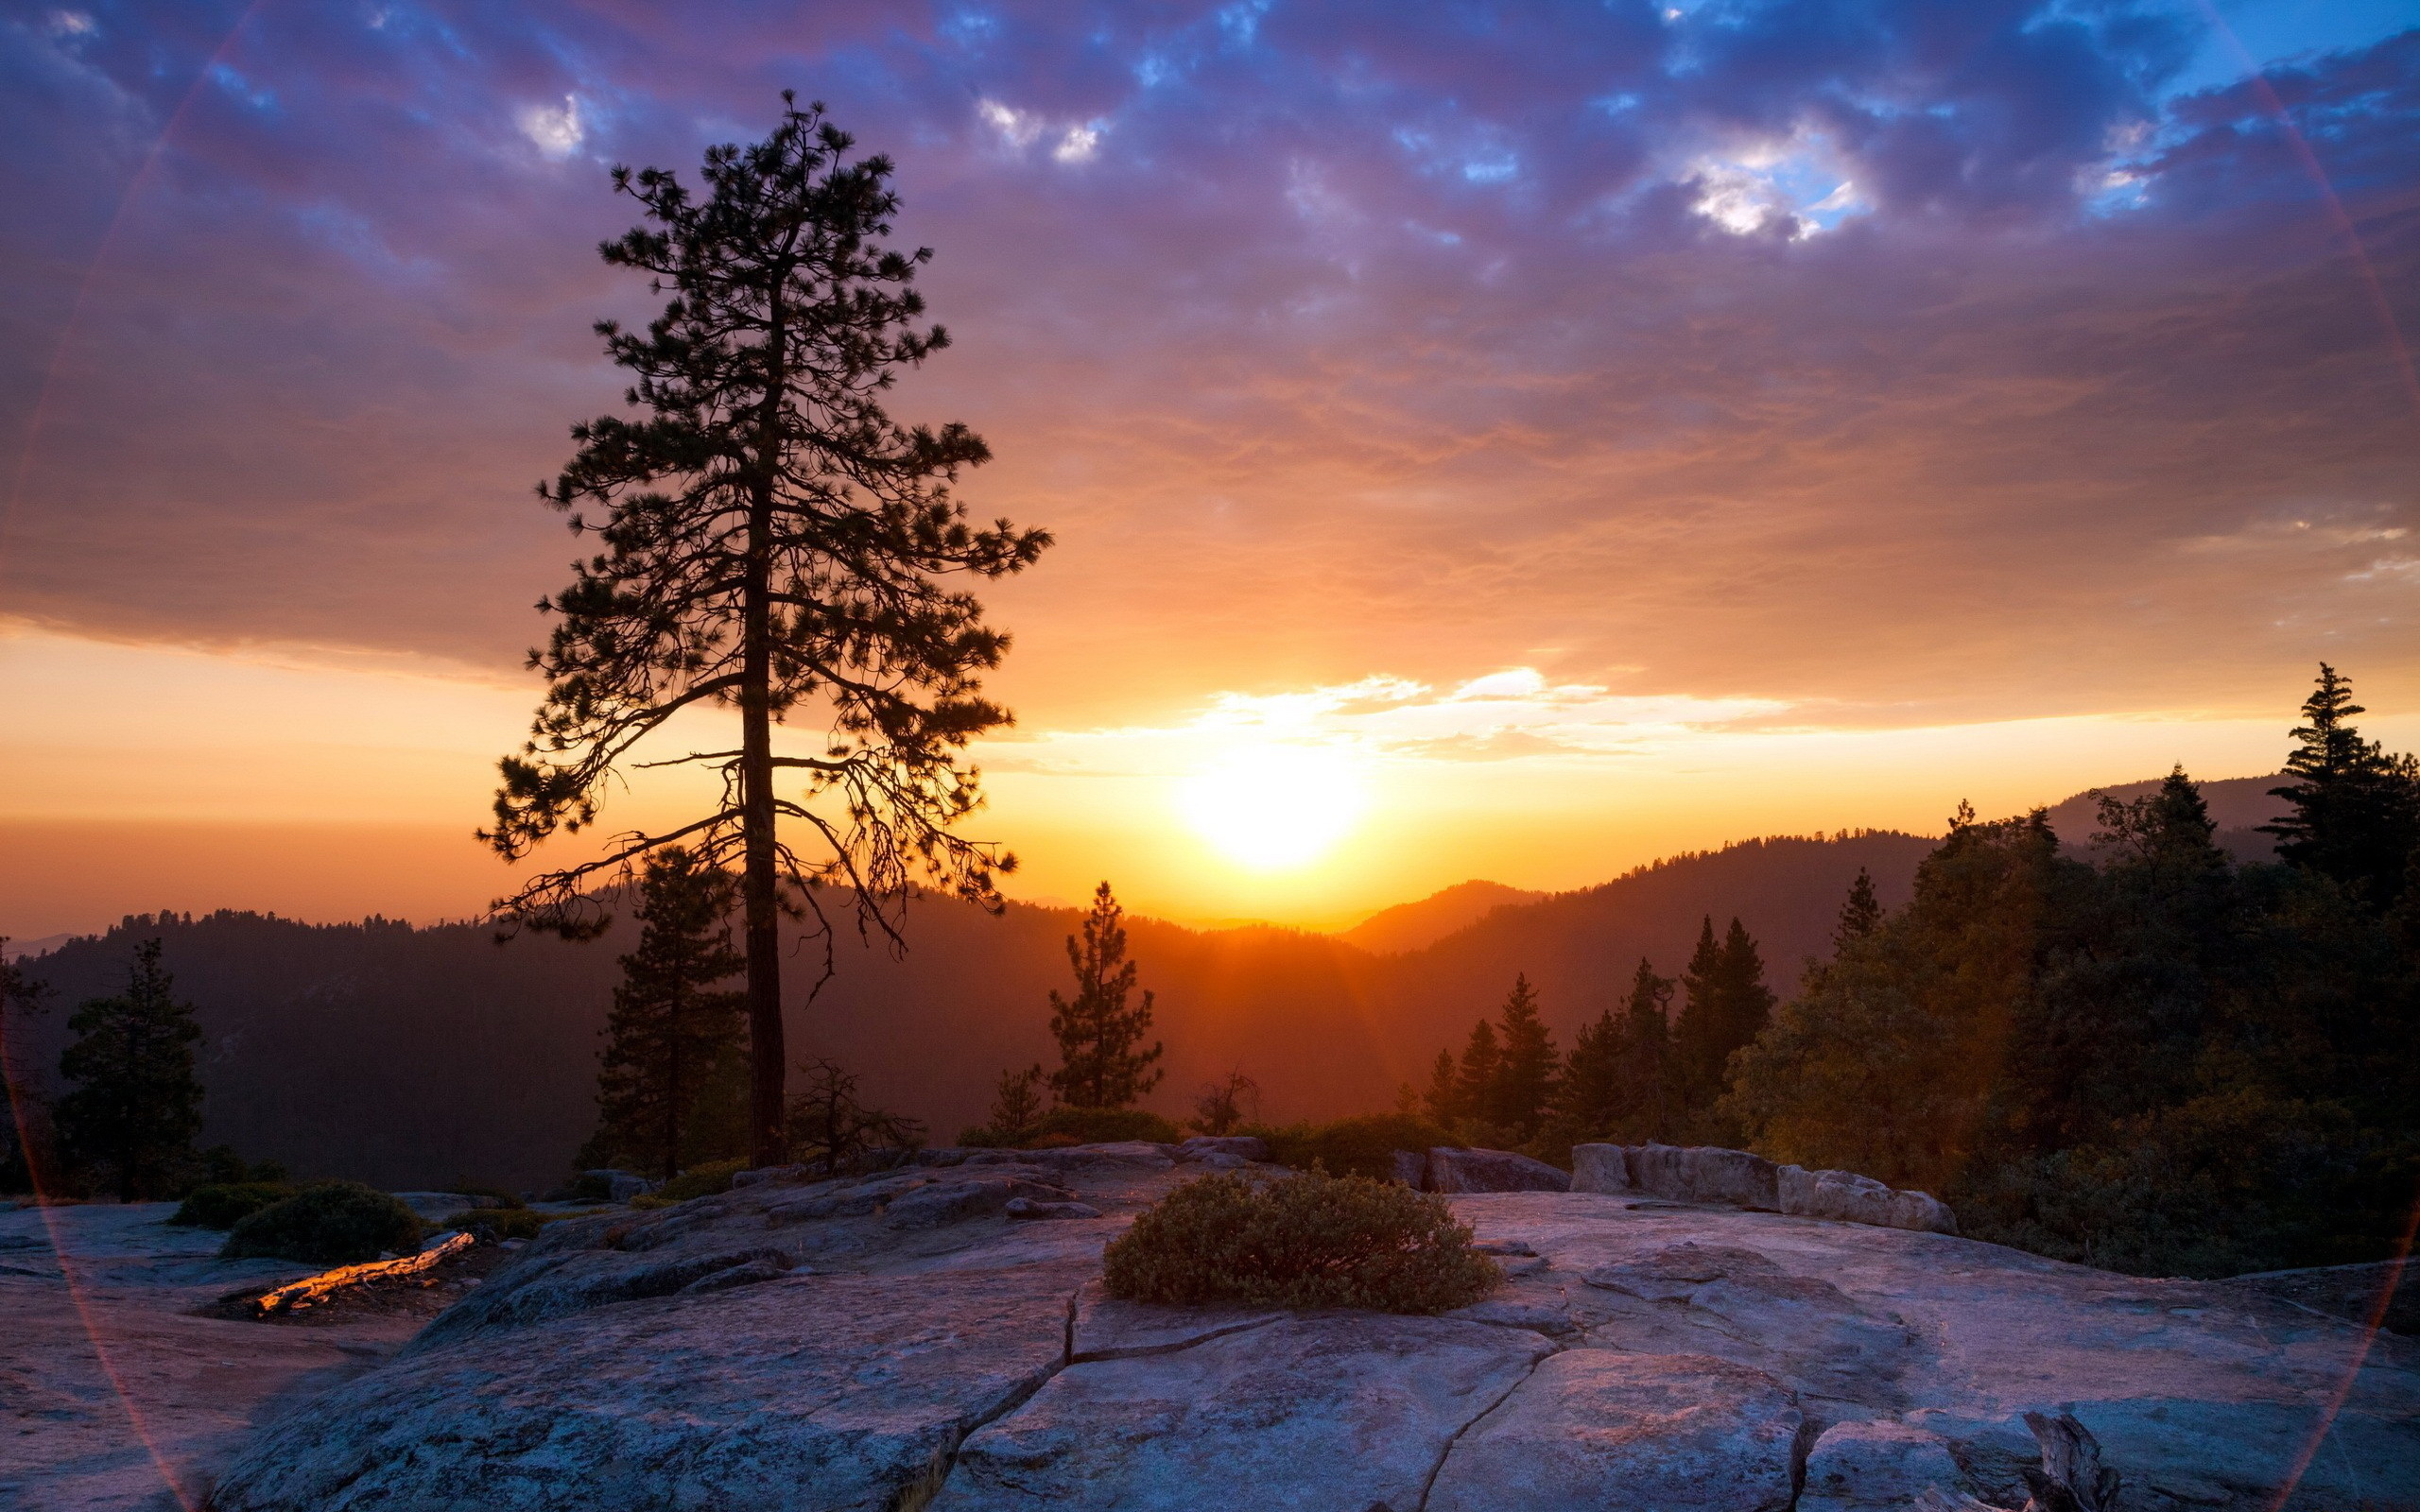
(1812, 190)
(258, 96)
(1242, 21)
(2275, 31)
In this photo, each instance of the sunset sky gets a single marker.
(1482, 440)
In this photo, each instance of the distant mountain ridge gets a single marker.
(414, 1057)
(1410, 926)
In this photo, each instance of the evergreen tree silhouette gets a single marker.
(1102, 1064)
(1646, 1097)
(1475, 1079)
(24, 1134)
(137, 1104)
(2356, 808)
(1525, 1077)
(1697, 1038)
(773, 543)
(1588, 1100)
(673, 1084)
(1443, 1101)
(1859, 914)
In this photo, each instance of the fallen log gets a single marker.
(312, 1288)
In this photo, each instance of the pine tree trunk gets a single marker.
(759, 881)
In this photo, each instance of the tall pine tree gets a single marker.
(1103, 1064)
(773, 545)
(1475, 1078)
(1698, 1038)
(137, 1104)
(673, 1084)
(2356, 808)
(1525, 1076)
(1646, 1091)
(1587, 1100)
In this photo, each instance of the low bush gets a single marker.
(1063, 1127)
(1312, 1240)
(1351, 1147)
(498, 1223)
(223, 1204)
(701, 1180)
(332, 1223)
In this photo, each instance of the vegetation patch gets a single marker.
(501, 1223)
(1063, 1127)
(1305, 1241)
(1352, 1146)
(332, 1223)
(223, 1204)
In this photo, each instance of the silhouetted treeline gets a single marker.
(2158, 1061)
(410, 1057)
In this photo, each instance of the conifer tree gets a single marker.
(1588, 1102)
(1859, 914)
(1747, 1001)
(1525, 1076)
(1645, 1091)
(1101, 1038)
(2356, 808)
(773, 543)
(24, 1134)
(1475, 1079)
(1443, 1101)
(673, 1084)
(1698, 1039)
(137, 1104)
(1016, 1102)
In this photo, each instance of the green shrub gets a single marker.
(499, 1222)
(701, 1180)
(1063, 1127)
(1352, 1146)
(224, 1205)
(1312, 1240)
(332, 1222)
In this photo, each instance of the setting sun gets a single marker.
(1270, 807)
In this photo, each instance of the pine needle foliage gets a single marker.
(1305, 1241)
(771, 542)
(672, 1087)
(137, 1103)
(1104, 1061)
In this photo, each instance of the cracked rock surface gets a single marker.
(905, 1341)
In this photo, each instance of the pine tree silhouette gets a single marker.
(772, 543)
(673, 1084)
(1102, 1064)
(137, 1104)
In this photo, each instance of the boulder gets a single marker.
(1600, 1168)
(1604, 1428)
(1451, 1170)
(1411, 1168)
(621, 1186)
(1242, 1146)
(1878, 1467)
(1703, 1173)
(1848, 1197)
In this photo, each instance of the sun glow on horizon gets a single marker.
(1270, 807)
